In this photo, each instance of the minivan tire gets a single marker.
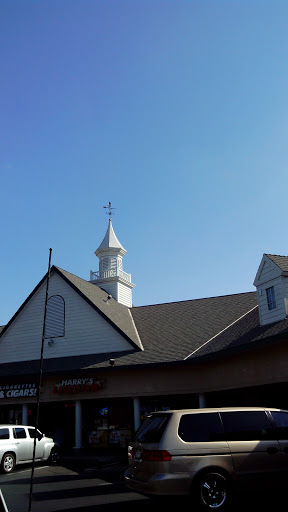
(8, 462)
(212, 490)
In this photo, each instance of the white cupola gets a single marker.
(111, 276)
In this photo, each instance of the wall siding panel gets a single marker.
(125, 295)
(268, 273)
(86, 331)
(110, 288)
(273, 315)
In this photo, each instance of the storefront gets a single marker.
(103, 411)
(100, 411)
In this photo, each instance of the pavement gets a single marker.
(87, 480)
(96, 459)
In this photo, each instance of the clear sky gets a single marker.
(176, 111)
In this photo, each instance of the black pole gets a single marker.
(40, 380)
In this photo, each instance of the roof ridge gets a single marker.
(71, 273)
(220, 332)
(279, 255)
(193, 300)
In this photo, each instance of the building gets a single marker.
(106, 364)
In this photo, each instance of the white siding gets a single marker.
(268, 316)
(110, 288)
(268, 272)
(125, 295)
(285, 291)
(118, 290)
(86, 331)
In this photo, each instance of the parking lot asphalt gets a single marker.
(95, 458)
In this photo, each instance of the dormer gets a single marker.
(271, 282)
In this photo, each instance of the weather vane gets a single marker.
(109, 207)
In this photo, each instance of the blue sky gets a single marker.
(173, 110)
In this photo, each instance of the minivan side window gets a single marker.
(200, 427)
(152, 429)
(4, 433)
(19, 433)
(246, 426)
(281, 424)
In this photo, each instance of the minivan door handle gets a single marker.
(271, 450)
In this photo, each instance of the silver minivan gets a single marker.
(203, 453)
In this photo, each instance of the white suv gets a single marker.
(17, 446)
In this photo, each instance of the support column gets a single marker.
(202, 401)
(78, 424)
(25, 414)
(137, 413)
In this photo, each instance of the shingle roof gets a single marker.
(173, 330)
(281, 261)
(172, 333)
(169, 332)
(113, 311)
(246, 333)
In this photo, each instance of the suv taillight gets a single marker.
(156, 455)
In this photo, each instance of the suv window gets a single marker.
(19, 433)
(200, 427)
(281, 423)
(31, 432)
(4, 433)
(246, 426)
(152, 429)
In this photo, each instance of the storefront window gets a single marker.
(107, 424)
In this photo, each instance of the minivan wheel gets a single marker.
(8, 462)
(213, 490)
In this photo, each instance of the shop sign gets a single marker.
(87, 385)
(18, 390)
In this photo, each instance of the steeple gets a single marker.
(111, 276)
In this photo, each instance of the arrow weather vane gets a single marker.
(109, 207)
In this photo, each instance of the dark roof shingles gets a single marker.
(281, 261)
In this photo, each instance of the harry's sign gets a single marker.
(87, 385)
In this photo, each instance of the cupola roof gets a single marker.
(110, 241)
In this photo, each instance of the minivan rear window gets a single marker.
(152, 429)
